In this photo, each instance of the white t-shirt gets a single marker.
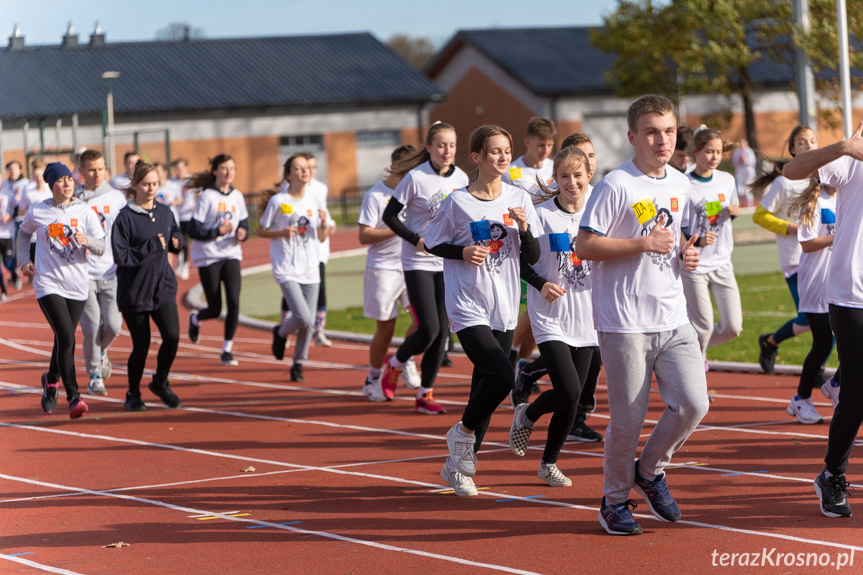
(641, 293)
(106, 207)
(385, 255)
(61, 264)
(744, 165)
(121, 181)
(708, 212)
(30, 196)
(524, 176)
(18, 188)
(813, 271)
(845, 287)
(7, 206)
(421, 192)
(168, 194)
(294, 259)
(776, 201)
(488, 294)
(190, 198)
(570, 318)
(212, 209)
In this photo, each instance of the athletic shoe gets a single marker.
(322, 340)
(461, 484)
(446, 361)
(831, 391)
(372, 390)
(3, 296)
(549, 473)
(804, 411)
(521, 389)
(166, 394)
(410, 375)
(581, 432)
(616, 519)
(297, 373)
(77, 408)
(519, 434)
(17, 283)
(183, 272)
(661, 503)
(833, 495)
(227, 358)
(767, 353)
(105, 366)
(390, 377)
(49, 394)
(194, 330)
(96, 385)
(426, 404)
(279, 343)
(461, 450)
(134, 402)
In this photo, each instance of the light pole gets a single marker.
(108, 78)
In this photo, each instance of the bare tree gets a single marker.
(179, 31)
(416, 51)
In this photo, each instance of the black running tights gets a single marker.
(822, 345)
(63, 315)
(212, 276)
(587, 402)
(848, 327)
(168, 323)
(428, 305)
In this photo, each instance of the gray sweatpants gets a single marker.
(100, 322)
(630, 360)
(723, 285)
(303, 302)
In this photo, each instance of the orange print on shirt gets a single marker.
(74, 223)
(494, 246)
(221, 207)
(507, 220)
(106, 210)
(573, 257)
(721, 197)
(674, 205)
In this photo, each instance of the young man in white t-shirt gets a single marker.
(122, 181)
(101, 320)
(632, 225)
(840, 166)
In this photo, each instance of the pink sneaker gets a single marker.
(77, 408)
(426, 405)
(389, 378)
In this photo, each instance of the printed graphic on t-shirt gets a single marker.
(828, 218)
(649, 206)
(225, 214)
(709, 217)
(569, 266)
(62, 241)
(491, 235)
(434, 203)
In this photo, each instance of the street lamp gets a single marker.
(108, 78)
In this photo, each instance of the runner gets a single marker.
(184, 211)
(130, 160)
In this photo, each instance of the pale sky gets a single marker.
(44, 21)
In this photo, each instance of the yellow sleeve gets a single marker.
(769, 222)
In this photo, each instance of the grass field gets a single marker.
(767, 304)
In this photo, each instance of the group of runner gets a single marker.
(619, 275)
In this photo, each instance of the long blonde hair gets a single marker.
(564, 156)
(802, 206)
(420, 156)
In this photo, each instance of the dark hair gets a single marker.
(685, 136)
(37, 162)
(142, 170)
(174, 163)
(479, 138)
(129, 154)
(539, 127)
(89, 155)
(286, 167)
(576, 139)
(203, 180)
(401, 153)
(762, 182)
(794, 133)
(649, 104)
(420, 156)
(14, 162)
(703, 135)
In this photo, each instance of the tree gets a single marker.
(416, 51)
(177, 31)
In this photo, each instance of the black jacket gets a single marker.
(145, 280)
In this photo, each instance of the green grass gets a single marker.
(767, 304)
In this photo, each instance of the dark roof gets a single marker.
(177, 76)
(561, 61)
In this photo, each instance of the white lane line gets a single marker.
(40, 566)
(289, 528)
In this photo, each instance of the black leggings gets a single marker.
(428, 305)
(822, 345)
(63, 315)
(184, 229)
(227, 272)
(568, 368)
(492, 378)
(168, 323)
(587, 401)
(848, 326)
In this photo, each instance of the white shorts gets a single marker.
(383, 291)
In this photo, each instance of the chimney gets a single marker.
(70, 39)
(16, 40)
(97, 38)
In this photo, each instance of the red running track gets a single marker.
(341, 485)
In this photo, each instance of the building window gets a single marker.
(310, 141)
(390, 138)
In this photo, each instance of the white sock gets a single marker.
(394, 361)
(422, 392)
(228, 346)
(195, 321)
(374, 372)
(525, 422)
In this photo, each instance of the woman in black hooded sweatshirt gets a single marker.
(143, 234)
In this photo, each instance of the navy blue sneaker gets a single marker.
(617, 519)
(655, 492)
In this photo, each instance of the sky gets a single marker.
(43, 22)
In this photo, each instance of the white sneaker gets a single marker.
(831, 392)
(183, 272)
(462, 485)
(461, 451)
(372, 390)
(549, 473)
(322, 340)
(411, 375)
(105, 366)
(804, 411)
(96, 386)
